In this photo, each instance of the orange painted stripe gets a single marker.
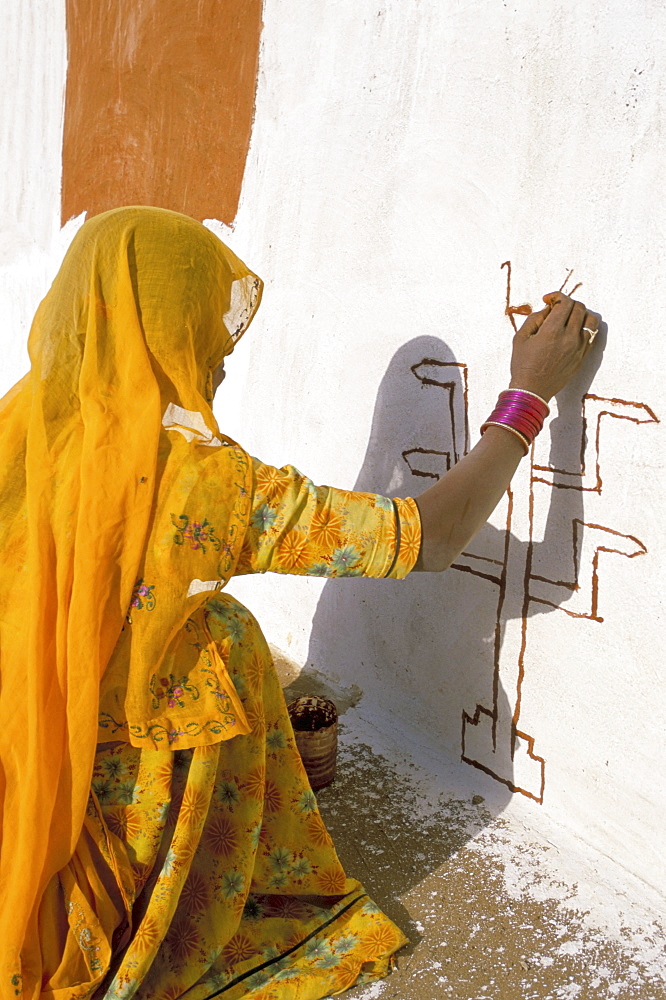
(159, 104)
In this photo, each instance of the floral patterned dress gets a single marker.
(218, 853)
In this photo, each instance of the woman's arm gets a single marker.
(547, 351)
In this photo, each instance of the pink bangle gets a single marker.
(526, 392)
(520, 411)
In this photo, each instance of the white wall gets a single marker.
(401, 153)
(33, 58)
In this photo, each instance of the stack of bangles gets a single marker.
(520, 412)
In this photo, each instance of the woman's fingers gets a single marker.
(575, 320)
(561, 307)
(590, 328)
(562, 313)
(552, 319)
(533, 322)
(583, 326)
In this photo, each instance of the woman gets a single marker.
(160, 838)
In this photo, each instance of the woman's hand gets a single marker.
(551, 344)
(547, 351)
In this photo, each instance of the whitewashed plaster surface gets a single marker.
(401, 153)
(33, 55)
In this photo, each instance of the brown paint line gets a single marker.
(452, 415)
(497, 649)
(431, 381)
(468, 719)
(539, 760)
(597, 488)
(525, 612)
(465, 375)
(451, 386)
(555, 583)
(515, 732)
(524, 310)
(565, 486)
(472, 555)
(426, 451)
(505, 781)
(436, 363)
(595, 583)
(159, 104)
(567, 611)
(444, 364)
(577, 525)
(626, 402)
(561, 472)
(594, 597)
(475, 572)
(472, 720)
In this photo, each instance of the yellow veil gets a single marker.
(114, 413)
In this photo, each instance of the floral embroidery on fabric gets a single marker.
(239, 513)
(208, 670)
(143, 598)
(198, 533)
(224, 702)
(159, 733)
(106, 721)
(172, 690)
(84, 936)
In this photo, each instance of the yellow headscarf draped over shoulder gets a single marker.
(121, 507)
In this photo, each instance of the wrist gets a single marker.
(509, 440)
(531, 386)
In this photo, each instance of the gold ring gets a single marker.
(592, 333)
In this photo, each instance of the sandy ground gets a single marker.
(497, 905)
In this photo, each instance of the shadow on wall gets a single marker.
(443, 654)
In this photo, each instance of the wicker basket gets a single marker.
(318, 746)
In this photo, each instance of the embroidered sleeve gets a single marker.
(297, 527)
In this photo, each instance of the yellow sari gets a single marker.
(147, 818)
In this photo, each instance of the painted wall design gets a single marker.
(159, 104)
(508, 558)
(494, 744)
